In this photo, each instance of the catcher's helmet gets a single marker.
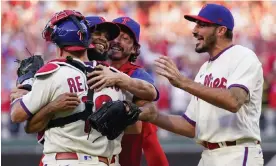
(68, 29)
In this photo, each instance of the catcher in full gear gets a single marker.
(76, 47)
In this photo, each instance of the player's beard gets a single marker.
(117, 55)
(208, 44)
(94, 54)
(98, 53)
(97, 41)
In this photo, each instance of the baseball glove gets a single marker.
(27, 69)
(113, 118)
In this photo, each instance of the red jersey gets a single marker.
(133, 144)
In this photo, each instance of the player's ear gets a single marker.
(221, 30)
(133, 50)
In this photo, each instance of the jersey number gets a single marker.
(99, 102)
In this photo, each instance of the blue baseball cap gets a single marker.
(100, 23)
(214, 13)
(132, 26)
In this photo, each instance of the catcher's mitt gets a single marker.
(27, 69)
(113, 118)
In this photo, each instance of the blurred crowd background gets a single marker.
(164, 32)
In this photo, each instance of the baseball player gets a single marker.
(103, 32)
(224, 112)
(69, 144)
(124, 51)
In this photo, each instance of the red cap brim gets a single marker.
(195, 18)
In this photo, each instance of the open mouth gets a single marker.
(199, 39)
(100, 45)
(116, 48)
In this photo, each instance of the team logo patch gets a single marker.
(125, 20)
(80, 35)
(87, 157)
(102, 19)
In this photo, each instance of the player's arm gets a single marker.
(242, 80)
(23, 108)
(174, 123)
(40, 120)
(64, 102)
(183, 125)
(137, 127)
(230, 99)
(136, 86)
(40, 95)
(17, 92)
(18, 113)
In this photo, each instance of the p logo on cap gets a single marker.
(214, 13)
(130, 24)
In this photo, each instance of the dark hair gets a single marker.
(133, 57)
(229, 34)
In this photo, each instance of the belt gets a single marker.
(74, 156)
(212, 146)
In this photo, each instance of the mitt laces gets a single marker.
(19, 61)
(89, 127)
(90, 131)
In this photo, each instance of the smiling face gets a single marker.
(205, 33)
(99, 38)
(121, 47)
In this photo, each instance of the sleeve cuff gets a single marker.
(157, 96)
(25, 108)
(15, 101)
(193, 123)
(239, 86)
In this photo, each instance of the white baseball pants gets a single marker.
(239, 155)
(83, 160)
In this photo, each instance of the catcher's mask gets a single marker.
(69, 30)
